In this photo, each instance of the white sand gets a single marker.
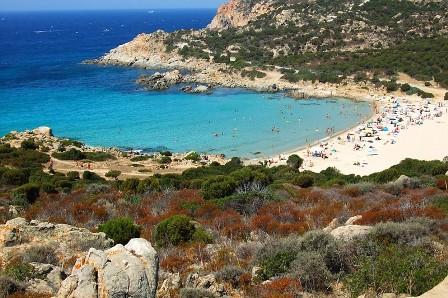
(428, 141)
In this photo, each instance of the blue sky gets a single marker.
(104, 4)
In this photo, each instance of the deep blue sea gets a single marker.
(43, 83)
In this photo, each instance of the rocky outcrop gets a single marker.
(207, 283)
(160, 81)
(44, 131)
(49, 279)
(238, 13)
(145, 50)
(18, 235)
(122, 271)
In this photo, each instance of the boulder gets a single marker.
(350, 232)
(18, 235)
(43, 131)
(445, 159)
(160, 81)
(122, 271)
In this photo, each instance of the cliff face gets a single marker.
(239, 13)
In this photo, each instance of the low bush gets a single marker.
(121, 230)
(48, 188)
(310, 269)
(44, 254)
(276, 256)
(218, 187)
(164, 160)
(304, 180)
(96, 188)
(19, 270)
(412, 232)
(29, 144)
(193, 156)
(72, 154)
(247, 203)
(397, 269)
(178, 229)
(91, 176)
(73, 175)
(26, 194)
(141, 158)
(113, 174)
(99, 156)
(441, 202)
(230, 274)
(14, 177)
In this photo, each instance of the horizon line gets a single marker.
(108, 9)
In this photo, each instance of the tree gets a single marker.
(294, 161)
(113, 174)
(121, 230)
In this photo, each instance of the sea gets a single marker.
(43, 83)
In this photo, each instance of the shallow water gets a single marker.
(42, 83)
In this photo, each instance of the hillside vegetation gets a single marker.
(331, 39)
(222, 221)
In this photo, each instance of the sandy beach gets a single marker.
(420, 135)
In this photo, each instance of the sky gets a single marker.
(27, 5)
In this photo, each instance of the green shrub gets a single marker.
(26, 194)
(441, 202)
(178, 229)
(164, 160)
(230, 274)
(193, 156)
(91, 176)
(310, 269)
(276, 256)
(113, 174)
(294, 161)
(73, 175)
(446, 96)
(405, 87)
(68, 142)
(141, 158)
(19, 270)
(247, 203)
(130, 185)
(325, 245)
(48, 188)
(14, 177)
(98, 156)
(412, 232)
(304, 180)
(121, 230)
(218, 187)
(277, 264)
(398, 269)
(166, 153)
(72, 154)
(29, 144)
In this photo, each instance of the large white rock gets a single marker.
(350, 232)
(122, 271)
(44, 131)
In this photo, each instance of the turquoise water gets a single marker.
(42, 83)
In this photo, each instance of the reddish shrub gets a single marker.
(279, 288)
